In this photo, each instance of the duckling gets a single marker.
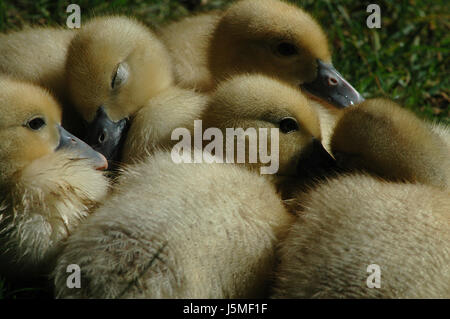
(114, 66)
(258, 101)
(352, 223)
(266, 36)
(393, 214)
(154, 239)
(160, 241)
(49, 179)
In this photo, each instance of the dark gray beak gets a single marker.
(106, 136)
(70, 142)
(331, 87)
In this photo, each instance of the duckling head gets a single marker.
(281, 40)
(114, 65)
(259, 102)
(382, 138)
(48, 177)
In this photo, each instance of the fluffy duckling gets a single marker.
(352, 222)
(161, 241)
(265, 36)
(49, 179)
(154, 239)
(258, 101)
(395, 216)
(114, 66)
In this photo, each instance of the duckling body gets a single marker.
(188, 42)
(162, 241)
(395, 215)
(37, 55)
(46, 189)
(352, 222)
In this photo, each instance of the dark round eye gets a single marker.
(286, 49)
(288, 125)
(36, 124)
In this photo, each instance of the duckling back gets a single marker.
(37, 55)
(187, 41)
(352, 222)
(187, 231)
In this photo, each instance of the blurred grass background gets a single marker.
(406, 60)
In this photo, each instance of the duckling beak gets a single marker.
(315, 161)
(105, 135)
(70, 142)
(331, 87)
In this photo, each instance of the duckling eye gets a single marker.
(36, 124)
(288, 125)
(120, 76)
(286, 49)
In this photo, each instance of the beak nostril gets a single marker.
(332, 81)
(102, 138)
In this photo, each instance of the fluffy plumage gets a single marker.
(354, 221)
(153, 124)
(188, 231)
(37, 55)
(196, 230)
(383, 138)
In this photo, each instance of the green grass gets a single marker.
(407, 59)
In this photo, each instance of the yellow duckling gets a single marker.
(265, 36)
(49, 179)
(114, 66)
(379, 234)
